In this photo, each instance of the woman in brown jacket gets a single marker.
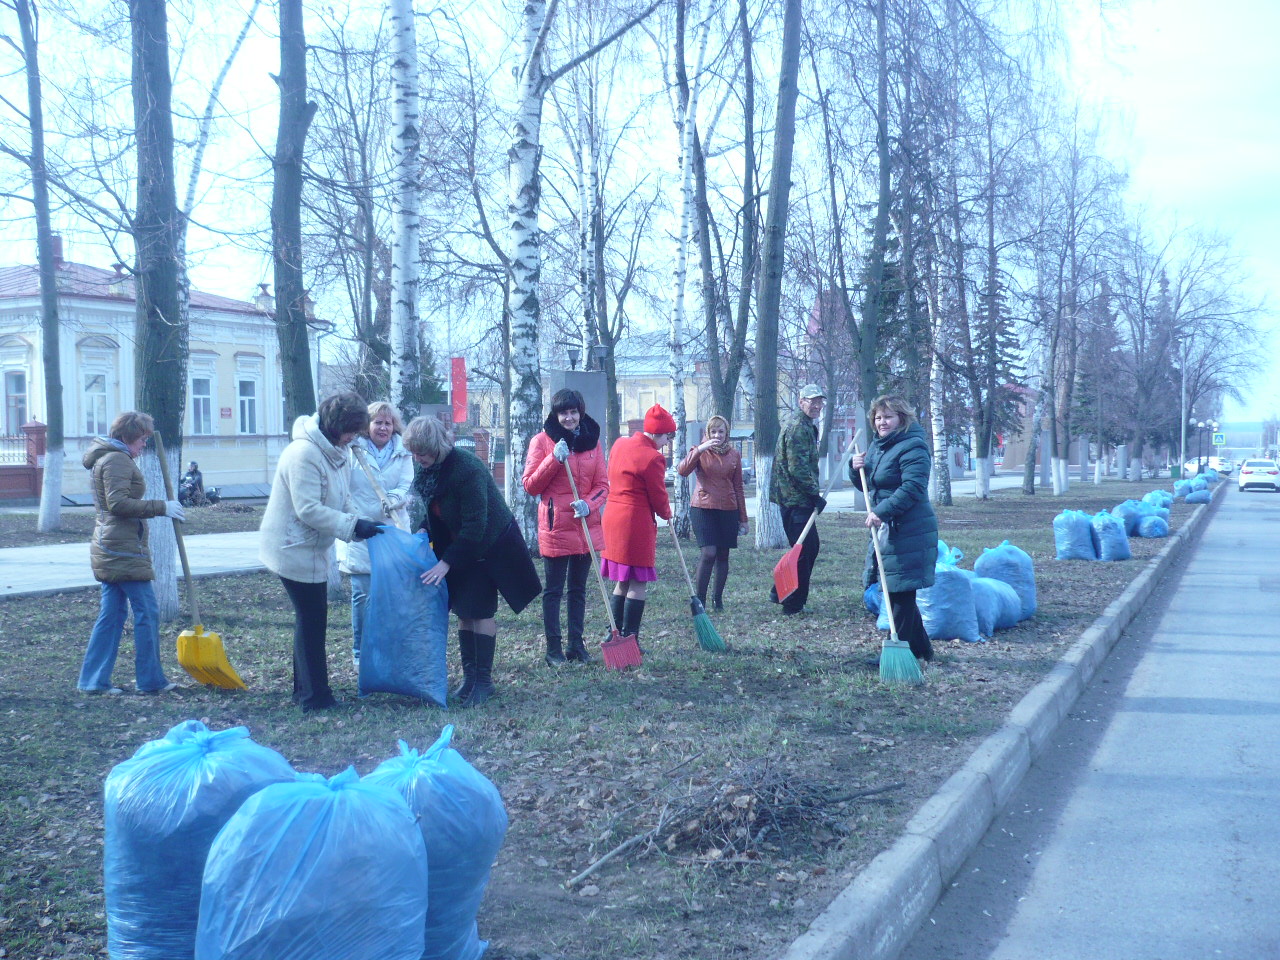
(120, 558)
(719, 506)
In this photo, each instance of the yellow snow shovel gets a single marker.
(200, 654)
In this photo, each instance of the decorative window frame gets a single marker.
(203, 365)
(97, 355)
(249, 368)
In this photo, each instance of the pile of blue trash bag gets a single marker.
(947, 608)
(162, 809)
(1073, 536)
(405, 643)
(463, 823)
(1113, 541)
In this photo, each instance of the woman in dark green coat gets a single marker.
(897, 464)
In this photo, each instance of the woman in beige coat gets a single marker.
(121, 559)
(306, 512)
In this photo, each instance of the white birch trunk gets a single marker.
(676, 342)
(49, 517)
(405, 252)
(525, 255)
(586, 208)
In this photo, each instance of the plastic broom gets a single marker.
(897, 663)
(703, 628)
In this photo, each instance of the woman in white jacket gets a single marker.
(306, 512)
(391, 465)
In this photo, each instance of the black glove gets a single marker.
(819, 503)
(366, 529)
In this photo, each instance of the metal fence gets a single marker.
(15, 451)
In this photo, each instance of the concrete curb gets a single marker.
(876, 915)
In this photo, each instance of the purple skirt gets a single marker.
(622, 572)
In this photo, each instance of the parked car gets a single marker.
(1259, 475)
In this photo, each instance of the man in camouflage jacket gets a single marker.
(794, 488)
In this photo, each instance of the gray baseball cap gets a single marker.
(811, 391)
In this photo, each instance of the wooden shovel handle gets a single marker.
(595, 561)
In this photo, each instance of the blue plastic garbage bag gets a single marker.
(1199, 496)
(463, 822)
(872, 599)
(1153, 527)
(1199, 483)
(1113, 542)
(1015, 567)
(947, 607)
(1181, 488)
(316, 870)
(1130, 512)
(1073, 536)
(406, 623)
(1212, 475)
(163, 807)
(1163, 514)
(986, 604)
(1009, 611)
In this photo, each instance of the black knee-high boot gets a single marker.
(483, 689)
(632, 613)
(467, 652)
(617, 603)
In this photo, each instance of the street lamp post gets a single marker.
(1182, 413)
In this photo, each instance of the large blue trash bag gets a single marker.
(1073, 536)
(1181, 488)
(1199, 483)
(406, 623)
(1113, 542)
(872, 598)
(1014, 566)
(1009, 611)
(986, 603)
(1211, 475)
(463, 822)
(316, 870)
(1163, 514)
(1199, 496)
(1153, 527)
(163, 808)
(947, 607)
(1130, 512)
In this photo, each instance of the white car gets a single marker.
(1259, 475)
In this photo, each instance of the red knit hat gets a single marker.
(657, 421)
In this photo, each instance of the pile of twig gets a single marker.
(728, 820)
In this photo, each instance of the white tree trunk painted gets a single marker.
(49, 517)
(688, 124)
(405, 253)
(160, 535)
(982, 479)
(524, 250)
(769, 532)
(584, 155)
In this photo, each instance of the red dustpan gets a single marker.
(619, 652)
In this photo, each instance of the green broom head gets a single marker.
(898, 664)
(704, 629)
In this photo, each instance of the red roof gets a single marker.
(95, 283)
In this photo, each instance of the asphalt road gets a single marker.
(1148, 830)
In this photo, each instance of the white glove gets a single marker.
(561, 451)
(580, 508)
(173, 510)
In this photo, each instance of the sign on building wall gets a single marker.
(224, 412)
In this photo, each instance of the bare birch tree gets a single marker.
(405, 251)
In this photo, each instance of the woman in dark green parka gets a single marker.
(897, 464)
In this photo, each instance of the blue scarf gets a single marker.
(381, 457)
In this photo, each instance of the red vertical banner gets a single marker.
(458, 373)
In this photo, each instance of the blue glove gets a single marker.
(561, 451)
(580, 508)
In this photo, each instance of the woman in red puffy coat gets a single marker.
(637, 491)
(568, 438)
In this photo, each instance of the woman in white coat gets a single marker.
(383, 453)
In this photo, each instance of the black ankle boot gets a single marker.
(632, 613)
(483, 689)
(577, 651)
(467, 652)
(555, 653)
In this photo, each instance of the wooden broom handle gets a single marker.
(177, 532)
(368, 472)
(595, 562)
(680, 553)
(875, 545)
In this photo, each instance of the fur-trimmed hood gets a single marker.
(587, 437)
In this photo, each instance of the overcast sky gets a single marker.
(1192, 92)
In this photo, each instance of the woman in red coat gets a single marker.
(637, 491)
(569, 439)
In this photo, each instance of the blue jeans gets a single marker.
(104, 641)
(359, 600)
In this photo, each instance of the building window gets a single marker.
(95, 404)
(248, 393)
(15, 402)
(201, 406)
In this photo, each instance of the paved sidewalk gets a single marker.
(32, 571)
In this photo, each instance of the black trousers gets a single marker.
(793, 521)
(310, 624)
(558, 570)
(906, 617)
